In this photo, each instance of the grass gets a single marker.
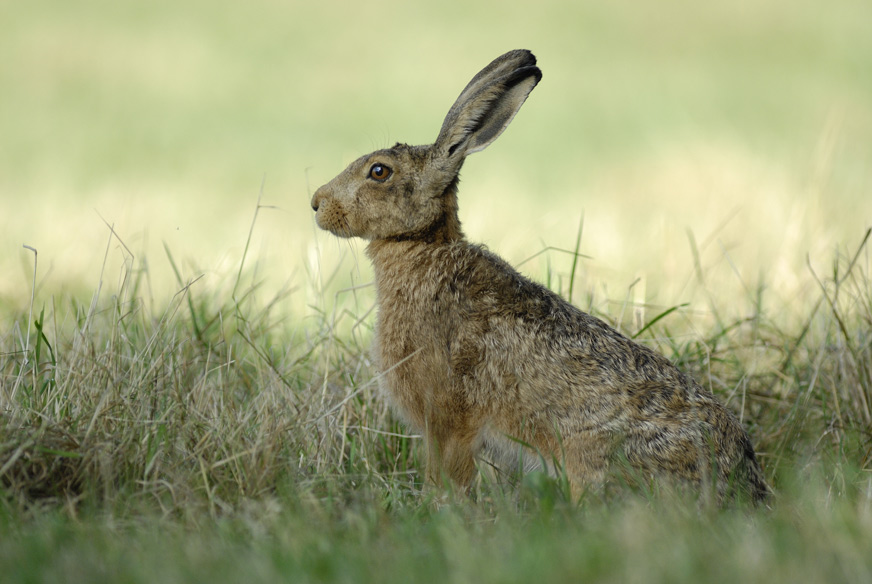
(630, 543)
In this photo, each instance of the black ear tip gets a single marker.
(525, 57)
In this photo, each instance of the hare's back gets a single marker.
(543, 332)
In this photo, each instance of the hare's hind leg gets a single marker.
(586, 460)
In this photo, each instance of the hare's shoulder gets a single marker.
(492, 285)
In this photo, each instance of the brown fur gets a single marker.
(471, 352)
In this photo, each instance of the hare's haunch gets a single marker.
(473, 354)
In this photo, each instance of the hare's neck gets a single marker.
(406, 264)
(449, 230)
(446, 229)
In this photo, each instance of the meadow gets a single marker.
(186, 392)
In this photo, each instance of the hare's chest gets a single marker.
(411, 363)
(403, 337)
(413, 322)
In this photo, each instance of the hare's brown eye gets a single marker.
(380, 172)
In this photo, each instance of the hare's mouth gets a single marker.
(334, 222)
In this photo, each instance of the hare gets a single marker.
(473, 354)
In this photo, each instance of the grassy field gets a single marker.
(211, 441)
(185, 388)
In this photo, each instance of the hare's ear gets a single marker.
(488, 103)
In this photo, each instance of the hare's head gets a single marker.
(410, 192)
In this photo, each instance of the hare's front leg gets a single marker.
(451, 441)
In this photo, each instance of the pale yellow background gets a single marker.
(747, 125)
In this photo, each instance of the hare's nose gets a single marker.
(316, 200)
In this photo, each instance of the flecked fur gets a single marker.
(470, 351)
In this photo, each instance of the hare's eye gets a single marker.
(380, 172)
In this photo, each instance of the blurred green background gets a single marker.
(746, 124)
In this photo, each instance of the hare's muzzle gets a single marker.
(329, 214)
